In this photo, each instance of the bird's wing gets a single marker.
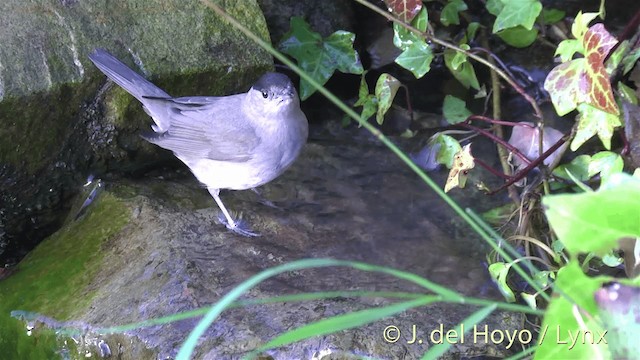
(205, 128)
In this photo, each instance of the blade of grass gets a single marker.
(242, 303)
(468, 323)
(189, 345)
(342, 322)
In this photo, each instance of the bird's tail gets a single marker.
(129, 80)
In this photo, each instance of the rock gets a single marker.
(325, 17)
(165, 252)
(52, 131)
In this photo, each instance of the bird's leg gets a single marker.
(231, 224)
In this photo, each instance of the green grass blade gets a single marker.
(189, 345)
(438, 350)
(343, 322)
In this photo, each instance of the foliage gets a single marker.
(416, 54)
(379, 102)
(317, 56)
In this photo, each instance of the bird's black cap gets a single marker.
(270, 81)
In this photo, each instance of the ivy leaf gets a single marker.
(317, 57)
(597, 43)
(552, 16)
(592, 121)
(595, 221)
(630, 60)
(368, 102)
(455, 110)
(386, 88)
(416, 58)
(472, 29)
(517, 13)
(606, 163)
(405, 10)
(567, 48)
(499, 272)
(460, 68)
(581, 24)
(416, 55)
(494, 7)
(449, 14)
(584, 167)
(518, 36)
(463, 162)
(584, 80)
(578, 167)
(627, 94)
(448, 148)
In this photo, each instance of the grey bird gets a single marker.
(235, 142)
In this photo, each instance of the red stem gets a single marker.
(522, 173)
(497, 140)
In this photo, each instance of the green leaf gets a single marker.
(616, 57)
(567, 48)
(449, 14)
(472, 29)
(494, 7)
(630, 60)
(460, 68)
(338, 47)
(581, 24)
(317, 57)
(606, 163)
(595, 221)
(421, 21)
(584, 167)
(447, 150)
(499, 272)
(627, 94)
(368, 102)
(578, 167)
(416, 58)
(592, 121)
(455, 110)
(363, 91)
(517, 13)
(518, 36)
(561, 318)
(552, 16)
(386, 88)
(416, 54)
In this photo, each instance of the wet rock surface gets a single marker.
(52, 131)
(339, 200)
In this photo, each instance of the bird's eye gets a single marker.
(265, 94)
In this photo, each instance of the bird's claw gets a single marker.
(239, 227)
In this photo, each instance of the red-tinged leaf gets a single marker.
(568, 86)
(405, 10)
(597, 43)
(584, 80)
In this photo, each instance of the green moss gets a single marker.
(52, 280)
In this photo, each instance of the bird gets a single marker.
(235, 142)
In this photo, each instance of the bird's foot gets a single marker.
(238, 226)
